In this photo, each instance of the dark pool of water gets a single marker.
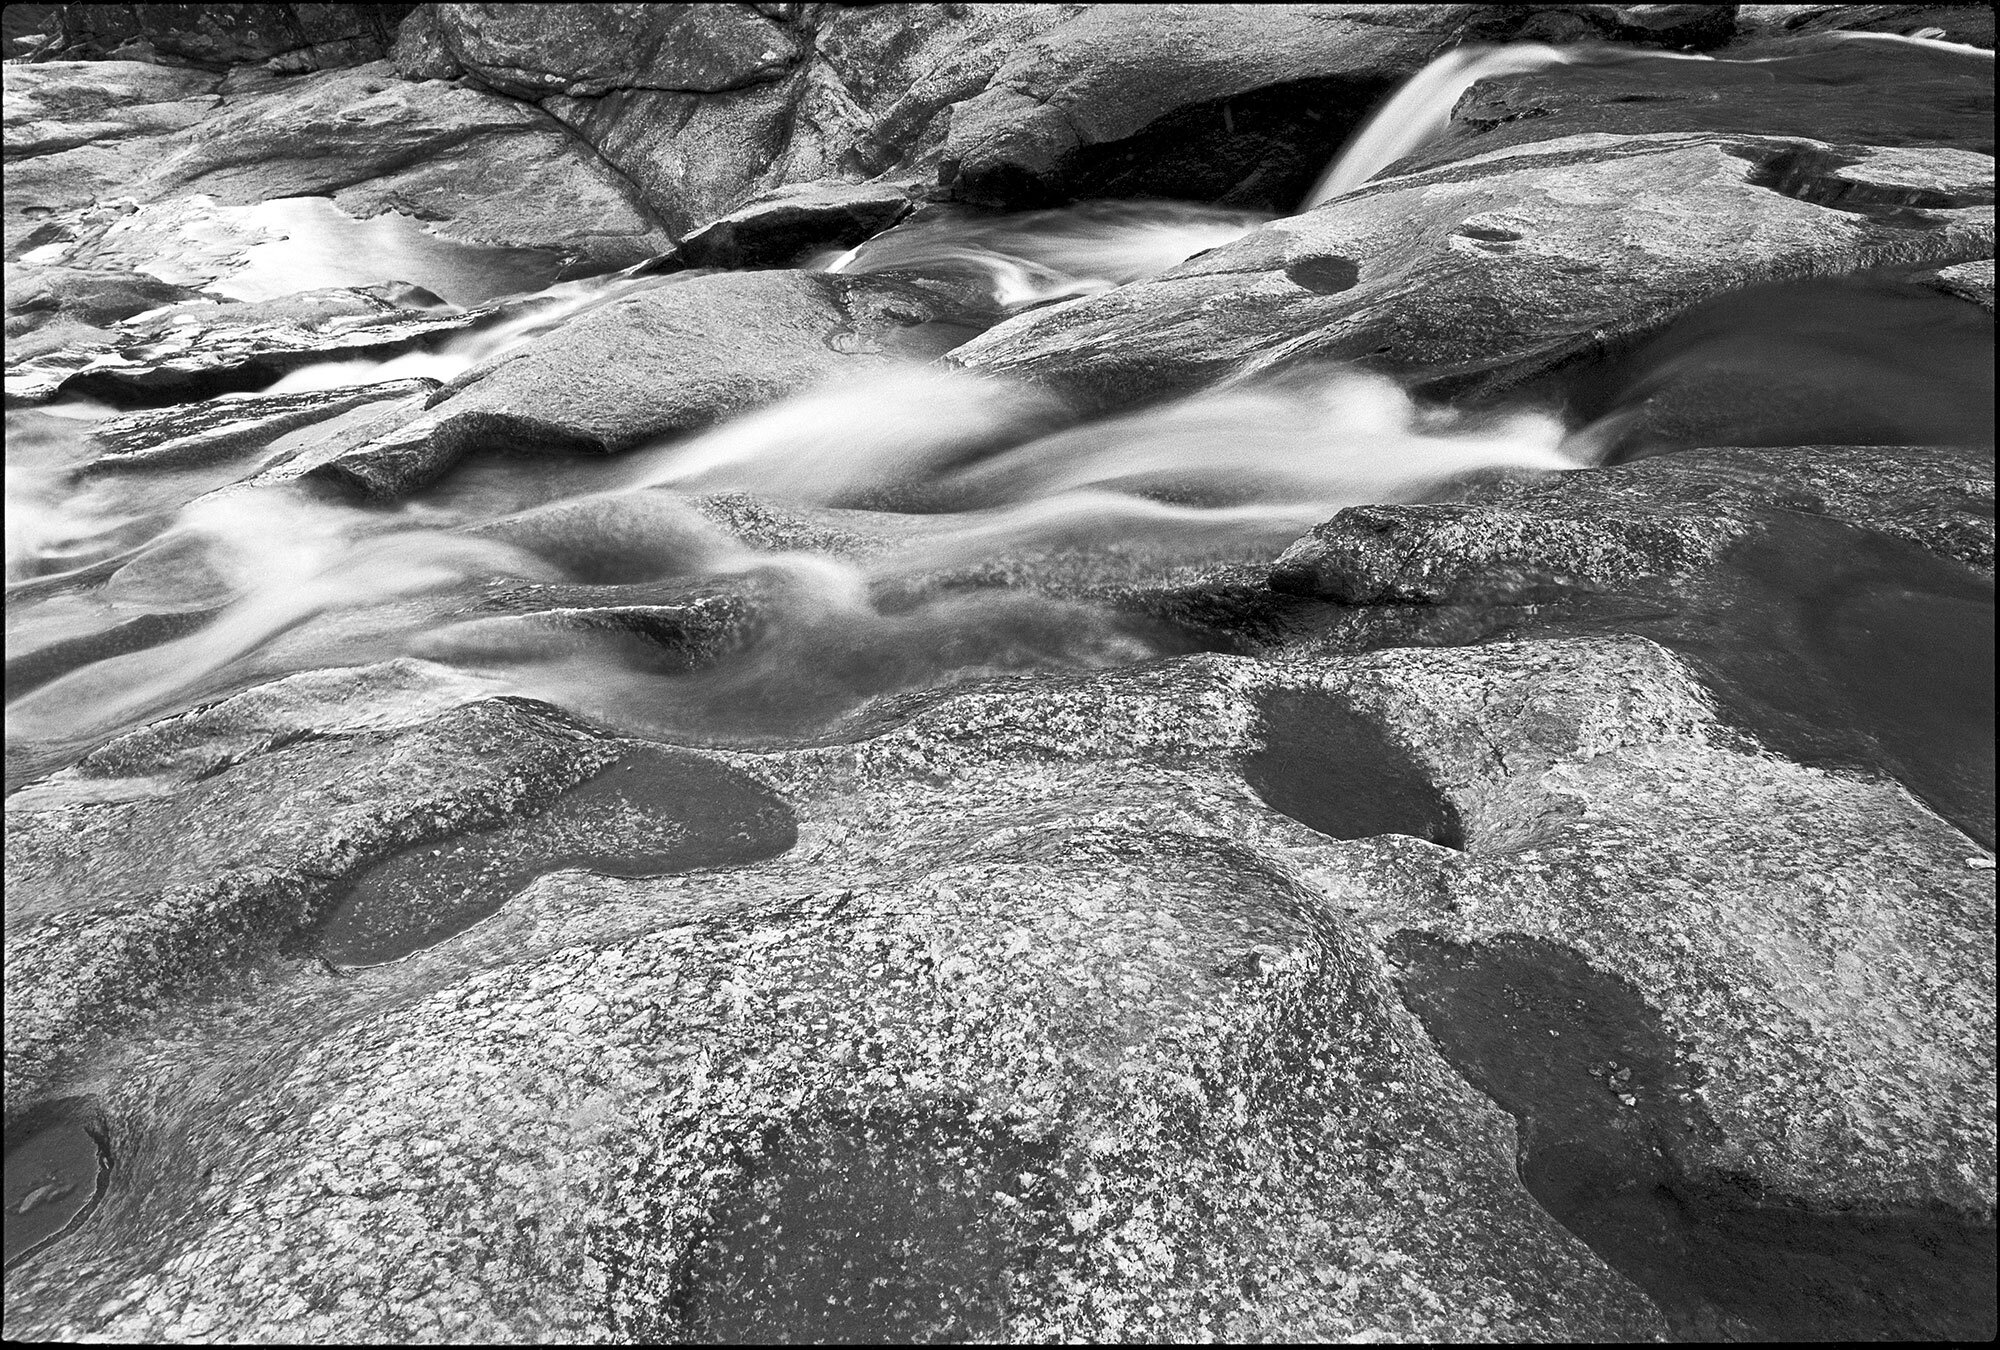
(653, 812)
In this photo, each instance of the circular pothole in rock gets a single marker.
(654, 812)
(56, 1169)
(1327, 766)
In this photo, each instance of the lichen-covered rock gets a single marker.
(1049, 996)
(1478, 276)
(113, 907)
(1838, 600)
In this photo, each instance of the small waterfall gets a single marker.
(1419, 111)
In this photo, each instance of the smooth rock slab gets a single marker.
(1845, 93)
(1476, 277)
(669, 360)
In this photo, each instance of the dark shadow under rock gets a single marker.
(1327, 766)
(778, 228)
(651, 813)
(1602, 1095)
(1261, 149)
(56, 1168)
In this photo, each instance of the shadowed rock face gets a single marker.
(298, 38)
(1867, 360)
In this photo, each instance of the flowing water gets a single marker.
(764, 579)
(916, 524)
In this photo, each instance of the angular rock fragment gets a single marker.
(776, 228)
(1969, 281)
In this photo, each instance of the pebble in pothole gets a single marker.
(653, 812)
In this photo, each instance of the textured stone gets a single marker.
(1476, 277)
(1040, 941)
(586, 50)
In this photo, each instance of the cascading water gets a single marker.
(928, 477)
(1416, 113)
(930, 481)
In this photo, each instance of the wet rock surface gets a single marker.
(55, 1173)
(1841, 626)
(1523, 260)
(1582, 1062)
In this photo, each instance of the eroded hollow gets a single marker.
(56, 1168)
(870, 1231)
(1327, 766)
(654, 812)
(1600, 1091)
(1810, 174)
(1327, 276)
